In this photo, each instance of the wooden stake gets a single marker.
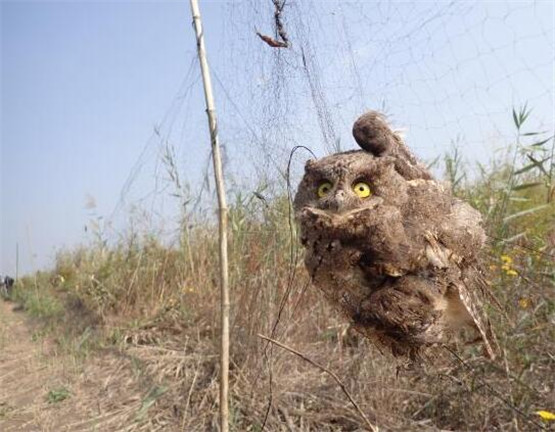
(222, 207)
(17, 261)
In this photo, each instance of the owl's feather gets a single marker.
(402, 262)
(464, 304)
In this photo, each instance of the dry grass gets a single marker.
(159, 307)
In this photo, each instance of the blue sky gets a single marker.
(84, 85)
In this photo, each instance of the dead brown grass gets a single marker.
(158, 307)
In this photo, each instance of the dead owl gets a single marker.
(389, 245)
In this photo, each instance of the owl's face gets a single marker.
(349, 181)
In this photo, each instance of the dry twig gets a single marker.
(371, 426)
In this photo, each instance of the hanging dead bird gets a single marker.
(272, 42)
(390, 246)
(280, 30)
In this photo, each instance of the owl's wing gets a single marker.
(462, 231)
(471, 293)
(466, 294)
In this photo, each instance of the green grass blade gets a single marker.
(541, 143)
(535, 164)
(524, 212)
(526, 186)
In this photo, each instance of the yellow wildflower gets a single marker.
(188, 289)
(506, 259)
(524, 303)
(511, 272)
(546, 415)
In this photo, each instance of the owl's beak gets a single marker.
(338, 200)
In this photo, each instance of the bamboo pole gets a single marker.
(222, 210)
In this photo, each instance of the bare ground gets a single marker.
(43, 389)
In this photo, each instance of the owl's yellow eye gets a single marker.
(324, 189)
(362, 190)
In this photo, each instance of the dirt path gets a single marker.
(43, 390)
(22, 374)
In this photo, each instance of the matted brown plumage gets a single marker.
(390, 246)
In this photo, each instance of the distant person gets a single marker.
(6, 285)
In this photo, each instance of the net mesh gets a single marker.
(447, 73)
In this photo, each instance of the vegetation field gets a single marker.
(136, 325)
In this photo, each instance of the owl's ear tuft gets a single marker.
(373, 134)
(308, 165)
